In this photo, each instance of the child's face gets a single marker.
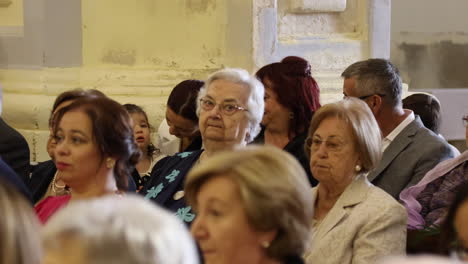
(141, 131)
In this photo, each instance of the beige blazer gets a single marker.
(364, 225)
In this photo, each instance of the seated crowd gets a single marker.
(248, 169)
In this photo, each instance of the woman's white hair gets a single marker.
(424, 259)
(255, 103)
(121, 230)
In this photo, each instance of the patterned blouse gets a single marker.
(166, 185)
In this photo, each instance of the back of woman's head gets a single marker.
(183, 99)
(112, 133)
(19, 227)
(427, 107)
(120, 230)
(297, 90)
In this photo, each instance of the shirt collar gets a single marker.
(397, 130)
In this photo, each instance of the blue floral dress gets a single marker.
(166, 185)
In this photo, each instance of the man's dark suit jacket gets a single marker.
(14, 150)
(413, 152)
(9, 176)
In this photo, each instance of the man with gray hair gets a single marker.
(409, 149)
(14, 149)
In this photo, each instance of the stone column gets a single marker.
(330, 34)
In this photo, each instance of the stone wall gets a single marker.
(136, 51)
(430, 46)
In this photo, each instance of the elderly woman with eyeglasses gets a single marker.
(354, 221)
(230, 108)
(427, 202)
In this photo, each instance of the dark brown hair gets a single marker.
(297, 90)
(135, 109)
(183, 99)
(427, 107)
(73, 95)
(112, 133)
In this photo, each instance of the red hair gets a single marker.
(297, 90)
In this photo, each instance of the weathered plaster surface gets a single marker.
(306, 6)
(430, 47)
(156, 34)
(11, 13)
(136, 51)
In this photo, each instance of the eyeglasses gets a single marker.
(465, 121)
(331, 145)
(225, 108)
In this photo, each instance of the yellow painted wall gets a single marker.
(13, 14)
(162, 34)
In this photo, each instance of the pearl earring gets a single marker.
(265, 244)
(357, 168)
(110, 163)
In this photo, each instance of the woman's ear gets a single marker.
(376, 104)
(266, 238)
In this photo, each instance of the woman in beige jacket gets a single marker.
(354, 221)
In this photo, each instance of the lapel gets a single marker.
(354, 194)
(396, 147)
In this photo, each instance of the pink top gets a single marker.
(47, 207)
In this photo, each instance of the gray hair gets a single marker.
(20, 241)
(274, 190)
(121, 230)
(255, 103)
(364, 128)
(376, 76)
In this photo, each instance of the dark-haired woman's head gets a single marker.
(62, 100)
(181, 109)
(291, 94)
(141, 128)
(94, 139)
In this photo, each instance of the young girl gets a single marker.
(150, 154)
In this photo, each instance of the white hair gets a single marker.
(424, 259)
(121, 230)
(255, 103)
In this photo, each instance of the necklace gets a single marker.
(58, 189)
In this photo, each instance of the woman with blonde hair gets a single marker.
(19, 239)
(253, 206)
(354, 221)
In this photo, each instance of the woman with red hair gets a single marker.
(291, 98)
